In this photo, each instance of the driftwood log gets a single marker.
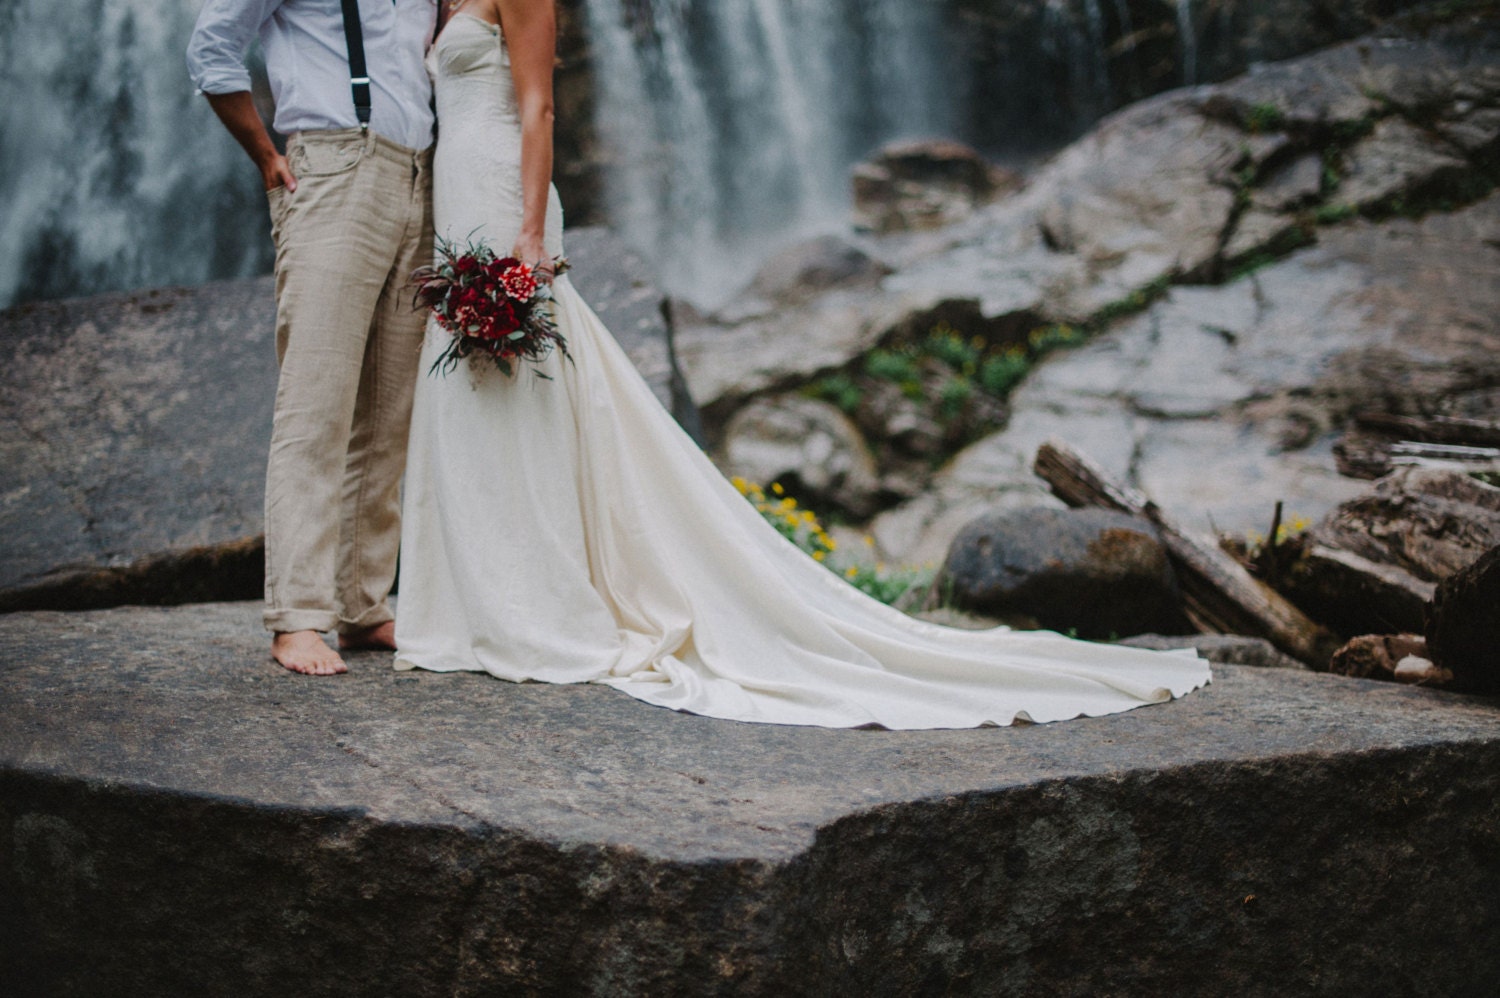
(1382, 441)
(1219, 595)
(1433, 429)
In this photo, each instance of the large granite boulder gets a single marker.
(1093, 572)
(178, 815)
(1219, 401)
(137, 425)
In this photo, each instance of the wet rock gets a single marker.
(1398, 161)
(141, 477)
(924, 185)
(1095, 572)
(1139, 197)
(1220, 401)
(811, 448)
(1297, 183)
(1463, 625)
(1259, 233)
(1398, 657)
(151, 443)
(816, 265)
(1231, 649)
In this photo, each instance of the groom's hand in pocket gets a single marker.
(237, 112)
(276, 172)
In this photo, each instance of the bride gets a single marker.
(566, 530)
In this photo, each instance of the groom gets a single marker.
(351, 211)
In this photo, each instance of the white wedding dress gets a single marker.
(568, 531)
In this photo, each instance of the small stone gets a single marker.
(1376, 656)
(1415, 670)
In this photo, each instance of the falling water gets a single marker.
(725, 127)
(1189, 41)
(1076, 43)
(731, 124)
(113, 174)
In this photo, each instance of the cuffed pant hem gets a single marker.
(286, 621)
(373, 617)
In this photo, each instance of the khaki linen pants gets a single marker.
(347, 341)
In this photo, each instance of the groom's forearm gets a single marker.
(237, 112)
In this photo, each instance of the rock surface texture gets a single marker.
(134, 430)
(1256, 261)
(178, 815)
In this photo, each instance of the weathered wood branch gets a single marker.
(1433, 429)
(1219, 594)
(1411, 451)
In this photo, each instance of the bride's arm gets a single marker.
(530, 28)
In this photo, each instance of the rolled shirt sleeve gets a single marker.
(221, 37)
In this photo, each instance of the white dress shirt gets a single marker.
(307, 60)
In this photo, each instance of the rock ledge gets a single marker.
(178, 815)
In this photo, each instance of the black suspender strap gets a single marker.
(359, 77)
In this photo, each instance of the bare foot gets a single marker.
(306, 652)
(381, 637)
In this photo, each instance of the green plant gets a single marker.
(892, 365)
(1337, 211)
(953, 396)
(1264, 117)
(801, 527)
(840, 389)
(1055, 337)
(886, 585)
(1132, 303)
(1352, 130)
(1002, 371)
(952, 348)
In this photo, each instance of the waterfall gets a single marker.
(730, 125)
(1075, 40)
(722, 128)
(113, 173)
(1189, 41)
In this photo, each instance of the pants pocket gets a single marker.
(313, 155)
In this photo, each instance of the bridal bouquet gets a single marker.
(493, 305)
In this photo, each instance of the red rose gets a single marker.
(500, 320)
(520, 282)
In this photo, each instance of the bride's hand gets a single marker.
(530, 251)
